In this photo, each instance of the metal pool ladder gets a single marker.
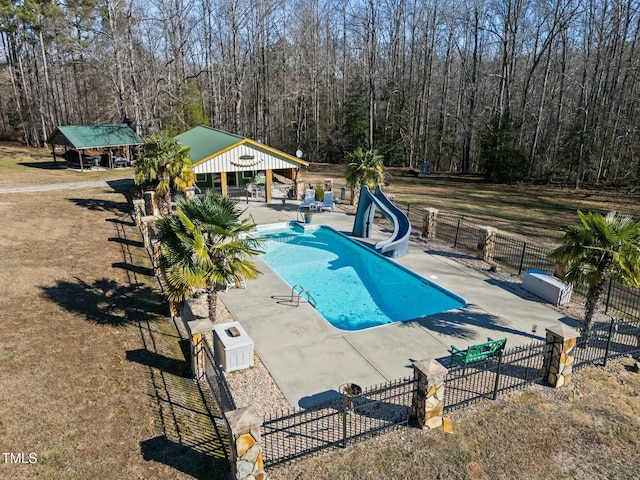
(299, 290)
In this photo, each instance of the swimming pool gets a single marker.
(354, 286)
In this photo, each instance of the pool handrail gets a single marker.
(299, 289)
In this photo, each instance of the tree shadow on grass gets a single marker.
(173, 366)
(184, 458)
(51, 165)
(126, 241)
(106, 302)
(146, 271)
(121, 185)
(101, 205)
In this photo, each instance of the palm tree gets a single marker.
(601, 248)
(203, 246)
(363, 168)
(165, 165)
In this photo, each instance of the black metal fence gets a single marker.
(521, 366)
(295, 434)
(512, 369)
(607, 340)
(517, 256)
(458, 232)
(217, 382)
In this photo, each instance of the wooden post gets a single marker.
(267, 185)
(223, 184)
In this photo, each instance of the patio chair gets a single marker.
(309, 201)
(232, 284)
(327, 203)
(252, 190)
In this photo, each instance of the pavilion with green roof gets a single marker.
(97, 138)
(224, 161)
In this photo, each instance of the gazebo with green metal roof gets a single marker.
(94, 137)
(225, 161)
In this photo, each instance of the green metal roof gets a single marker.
(94, 136)
(207, 141)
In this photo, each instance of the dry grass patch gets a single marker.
(93, 378)
(22, 166)
(530, 212)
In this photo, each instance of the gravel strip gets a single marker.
(253, 386)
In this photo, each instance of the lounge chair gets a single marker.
(232, 284)
(327, 203)
(309, 201)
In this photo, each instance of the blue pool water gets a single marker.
(354, 287)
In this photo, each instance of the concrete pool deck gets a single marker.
(309, 359)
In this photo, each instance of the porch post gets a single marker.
(223, 184)
(267, 185)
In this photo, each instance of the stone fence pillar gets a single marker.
(150, 204)
(558, 355)
(427, 406)
(486, 243)
(138, 210)
(144, 229)
(246, 449)
(430, 220)
(200, 333)
(156, 248)
(194, 316)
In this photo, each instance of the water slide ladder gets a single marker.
(298, 291)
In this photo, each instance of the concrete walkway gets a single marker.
(309, 359)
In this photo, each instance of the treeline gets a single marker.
(517, 89)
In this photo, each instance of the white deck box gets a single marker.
(546, 286)
(232, 346)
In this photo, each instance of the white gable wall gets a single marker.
(230, 161)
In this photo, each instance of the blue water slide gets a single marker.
(397, 245)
